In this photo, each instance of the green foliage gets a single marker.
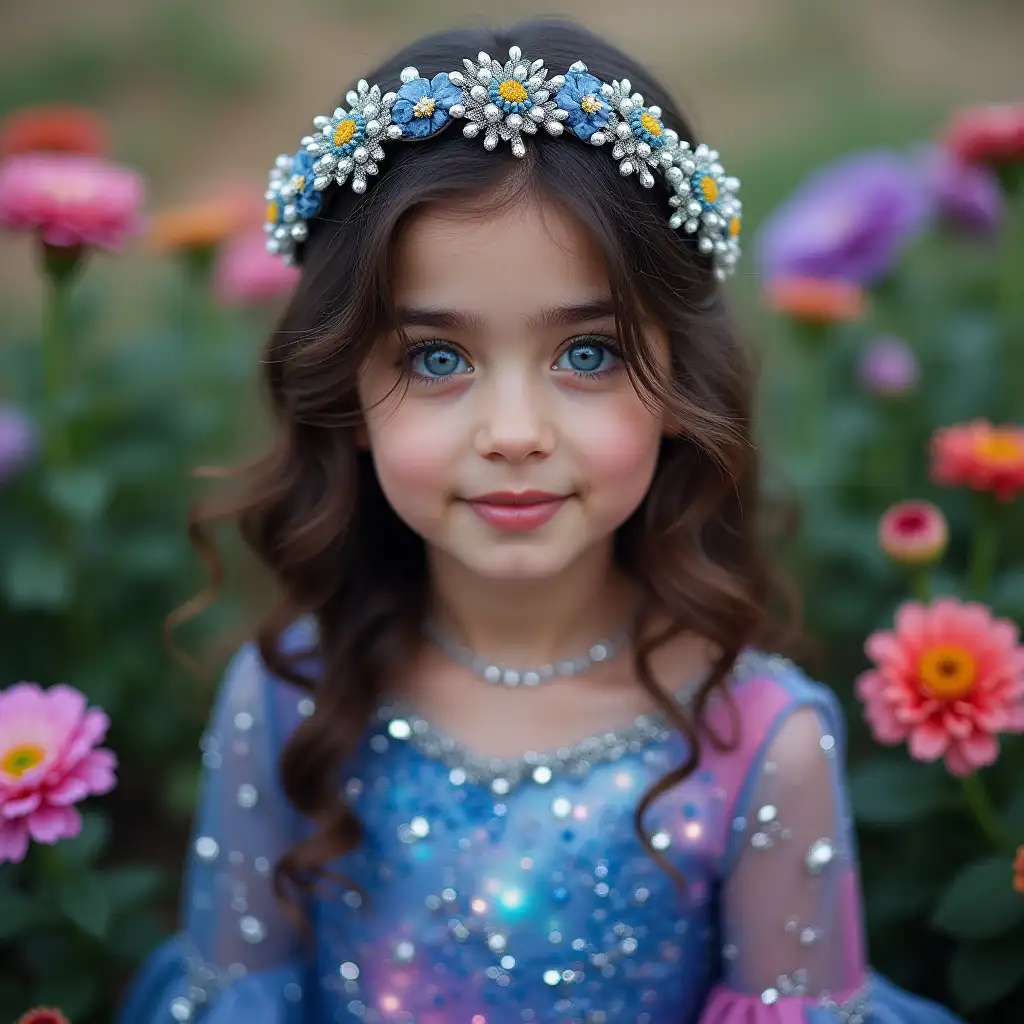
(93, 556)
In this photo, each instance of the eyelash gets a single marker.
(434, 345)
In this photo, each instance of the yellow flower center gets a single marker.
(20, 759)
(344, 132)
(590, 104)
(272, 212)
(709, 189)
(512, 91)
(651, 123)
(734, 227)
(298, 182)
(1002, 447)
(424, 107)
(947, 672)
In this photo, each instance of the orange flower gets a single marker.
(54, 129)
(816, 300)
(43, 1015)
(1018, 870)
(205, 223)
(981, 457)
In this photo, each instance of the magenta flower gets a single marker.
(247, 275)
(17, 441)
(48, 761)
(850, 220)
(70, 200)
(967, 195)
(888, 368)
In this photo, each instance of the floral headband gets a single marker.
(503, 103)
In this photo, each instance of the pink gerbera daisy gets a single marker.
(48, 762)
(947, 679)
(980, 456)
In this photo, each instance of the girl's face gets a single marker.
(515, 443)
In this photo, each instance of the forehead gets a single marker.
(498, 263)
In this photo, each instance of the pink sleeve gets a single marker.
(793, 949)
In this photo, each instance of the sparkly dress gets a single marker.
(515, 891)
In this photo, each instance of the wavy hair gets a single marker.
(313, 513)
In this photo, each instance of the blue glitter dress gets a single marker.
(515, 891)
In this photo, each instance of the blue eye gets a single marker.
(432, 361)
(591, 358)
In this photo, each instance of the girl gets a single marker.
(507, 749)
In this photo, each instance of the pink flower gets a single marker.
(888, 368)
(981, 457)
(247, 275)
(47, 763)
(947, 679)
(913, 533)
(70, 200)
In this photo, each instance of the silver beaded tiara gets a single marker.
(504, 103)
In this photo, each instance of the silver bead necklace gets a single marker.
(603, 650)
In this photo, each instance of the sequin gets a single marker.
(349, 971)
(828, 743)
(561, 807)
(306, 707)
(253, 930)
(661, 840)
(404, 951)
(243, 721)
(181, 1010)
(247, 796)
(400, 729)
(767, 814)
(819, 856)
(207, 848)
(542, 775)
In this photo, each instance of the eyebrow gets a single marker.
(455, 320)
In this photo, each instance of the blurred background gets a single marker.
(120, 372)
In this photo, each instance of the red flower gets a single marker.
(54, 129)
(1018, 870)
(43, 1015)
(981, 457)
(987, 135)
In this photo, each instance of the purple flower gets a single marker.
(17, 441)
(850, 220)
(888, 368)
(968, 195)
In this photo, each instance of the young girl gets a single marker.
(508, 749)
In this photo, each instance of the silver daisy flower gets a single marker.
(507, 101)
(348, 144)
(707, 204)
(284, 227)
(642, 143)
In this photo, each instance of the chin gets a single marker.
(525, 563)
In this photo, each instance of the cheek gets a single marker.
(621, 445)
(411, 454)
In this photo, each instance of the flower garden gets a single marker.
(891, 301)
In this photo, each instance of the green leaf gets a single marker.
(37, 579)
(980, 901)
(82, 492)
(75, 991)
(82, 898)
(89, 843)
(896, 793)
(131, 884)
(20, 913)
(980, 973)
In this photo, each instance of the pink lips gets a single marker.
(517, 511)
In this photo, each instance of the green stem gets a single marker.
(60, 266)
(984, 549)
(984, 811)
(921, 582)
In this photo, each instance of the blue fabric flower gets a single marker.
(647, 128)
(587, 108)
(422, 106)
(307, 200)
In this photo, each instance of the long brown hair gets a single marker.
(311, 508)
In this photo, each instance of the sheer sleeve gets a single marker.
(793, 945)
(237, 957)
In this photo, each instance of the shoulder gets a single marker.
(252, 688)
(772, 707)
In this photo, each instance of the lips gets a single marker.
(517, 511)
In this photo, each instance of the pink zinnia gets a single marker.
(947, 679)
(913, 533)
(48, 762)
(247, 275)
(70, 200)
(980, 456)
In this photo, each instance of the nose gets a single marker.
(514, 421)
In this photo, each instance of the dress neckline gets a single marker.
(396, 721)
